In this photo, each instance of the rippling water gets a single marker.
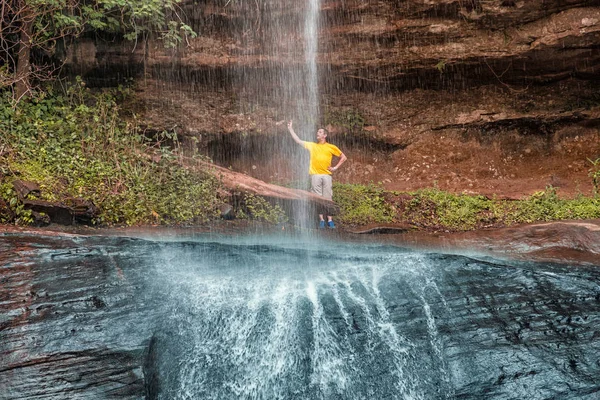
(293, 318)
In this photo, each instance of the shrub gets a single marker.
(451, 211)
(256, 207)
(76, 145)
(362, 204)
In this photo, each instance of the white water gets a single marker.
(291, 325)
(286, 83)
(304, 89)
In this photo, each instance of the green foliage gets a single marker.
(22, 216)
(456, 212)
(594, 173)
(362, 204)
(349, 120)
(60, 18)
(256, 207)
(436, 209)
(50, 26)
(76, 145)
(547, 206)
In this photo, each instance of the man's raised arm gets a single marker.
(296, 138)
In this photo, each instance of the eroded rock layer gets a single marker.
(492, 97)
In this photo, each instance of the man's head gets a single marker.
(321, 135)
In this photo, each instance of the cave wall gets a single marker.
(464, 82)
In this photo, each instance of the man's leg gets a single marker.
(317, 185)
(328, 194)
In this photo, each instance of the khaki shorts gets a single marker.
(322, 185)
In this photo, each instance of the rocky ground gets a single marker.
(576, 242)
(88, 312)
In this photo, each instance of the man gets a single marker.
(320, 168)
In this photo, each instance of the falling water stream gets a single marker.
(285, 81)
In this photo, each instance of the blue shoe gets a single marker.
(331, 225)
(322, 225)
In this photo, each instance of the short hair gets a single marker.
(326, 131)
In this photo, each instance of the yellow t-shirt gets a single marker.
(320, 157)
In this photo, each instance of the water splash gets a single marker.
(311, 333)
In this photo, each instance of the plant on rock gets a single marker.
(362, 204)
(256, 207)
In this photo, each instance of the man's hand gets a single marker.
(343, 159)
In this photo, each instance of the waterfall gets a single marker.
(309, 332)
(310, 320)
(285, 81)
(312, 83)
(309, 108)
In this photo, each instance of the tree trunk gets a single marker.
(23, 67)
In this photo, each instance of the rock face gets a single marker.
(557, 242)
(56, 322)
(104, 317)
(492, 97)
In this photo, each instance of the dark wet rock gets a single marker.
(69, 211)
(83, 211)
(381, 229)
(151, 373)
(77, 374)
(40, 219)
(563, 241)
(60, 323)
(58, 212)
(227, 212)
(63, 213)
(116, 317)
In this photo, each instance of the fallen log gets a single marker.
(288, 198)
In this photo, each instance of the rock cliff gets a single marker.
(495, 97)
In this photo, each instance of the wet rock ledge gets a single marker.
(65, 307)
(79, 314)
